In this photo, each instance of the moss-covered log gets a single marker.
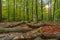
(31, 36)
(10, 24)
(41, 24)
(51, 36)
(20, 29)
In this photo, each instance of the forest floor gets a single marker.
(45, 30)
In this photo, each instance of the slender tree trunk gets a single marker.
(24, 10)
(36, 11)
(27, 10)
(50, 11)
(20, 10)
(54, 9)
(8, 11)
(14, 10)
(0, 10)
(41, 9)
(32, 10)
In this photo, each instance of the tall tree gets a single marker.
(23, 10)
(54, 9)
(36, 10)
(0, 10)
(8, 11)
(14, 10)
(20, 10)
(41, 9)
(27, 10)
(50, 10)
(32, 10)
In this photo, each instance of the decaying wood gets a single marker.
(31, 36)
(20, 29)
(41, 24)
(51, 36)
(10, 24)
(21, 36)
(33, 25)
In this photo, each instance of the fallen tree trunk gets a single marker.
(34, 25)
(50, 36)
(10, 24)
(32, 36)
(40, 25)
(20, 29)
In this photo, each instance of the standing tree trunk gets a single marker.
(54, 9)
(41, 9)
(36, 11)
(27, 10)
(0, 10)
(50, 10)
(24, 10)
(14, 10)
(8, 11)
(32, 9)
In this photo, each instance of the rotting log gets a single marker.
(21, 36)
(37, 25)
(19, 29)
(32, 36)
(32, 25)
(50, 36)
(10, 24)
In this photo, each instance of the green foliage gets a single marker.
(23, 9)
